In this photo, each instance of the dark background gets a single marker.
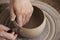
(53, 3)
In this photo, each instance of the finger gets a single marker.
(28, 15)
(19, 20)
(1, 38)
(12, 15)
(19, 16)
(14, 37)
(2, 27)
(6, 35)
(24, 19)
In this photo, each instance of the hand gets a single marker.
(1, 38)
(4, 34)
(23, 9)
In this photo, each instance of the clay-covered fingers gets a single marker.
(10, 36)
(25, 12)
(23, 18)
(28, 15)
(23, 9)
(3, 28)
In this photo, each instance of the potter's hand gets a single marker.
(23, 9)
(5, 35)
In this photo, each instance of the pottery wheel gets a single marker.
(51, 31)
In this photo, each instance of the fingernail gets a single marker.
(12, 19)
